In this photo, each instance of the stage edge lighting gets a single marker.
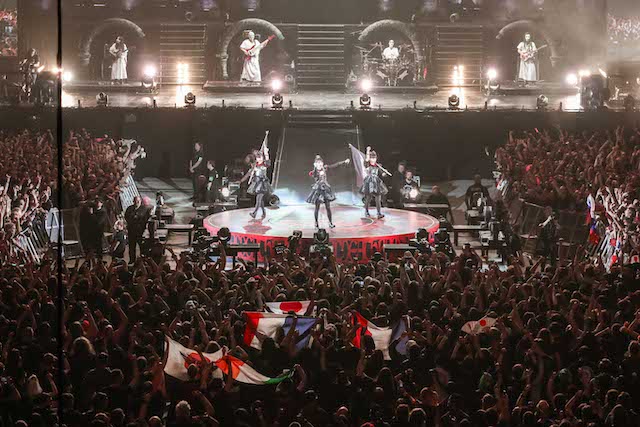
(542, 102)
(190, 100)
(454, 101)
(572, 79)
(102, 99)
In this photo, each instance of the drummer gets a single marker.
(391, 52)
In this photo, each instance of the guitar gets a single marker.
(525, 56)
(261, 45)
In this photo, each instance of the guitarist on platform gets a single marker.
(528, 68)
(251, 49)
(120, 54)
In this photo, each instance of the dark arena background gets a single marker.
(319, 213)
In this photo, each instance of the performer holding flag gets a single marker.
(373, 186)
(259, 184)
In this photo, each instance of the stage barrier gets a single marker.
(526, 218)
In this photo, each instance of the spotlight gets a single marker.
(454, 101)
(542, 102)
(102, 99)
(413, 193)
(320, 237)
(274, 201)
(584, 73)
(629, 103)
(67, 76)
(148, 77)
(366, 85)
(422, 234)
(224, 235)
(150, 71)
(492, 74)
(277, 101)
(225, 192)
(190, 100)
(572, 79)
(365, 102)
(276, 85)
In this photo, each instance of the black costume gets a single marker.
(321, 191)
(137, 218)
(373, 186)
(259, 185)
(198, 155)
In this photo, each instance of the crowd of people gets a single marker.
(8, 32)
(623, 30)
(93, 168)
(597, 173)
(548, 346)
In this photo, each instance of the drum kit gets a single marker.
(389, 72)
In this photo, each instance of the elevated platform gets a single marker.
(354, 235)
(536, 89)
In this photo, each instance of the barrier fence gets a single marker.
(527, 217)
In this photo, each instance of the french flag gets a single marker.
(266, 325)
(382, 337)
(285, 307)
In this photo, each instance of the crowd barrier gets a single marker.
(526, 218)
(34, 241)
(128, 192)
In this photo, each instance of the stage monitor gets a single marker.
(9, 28)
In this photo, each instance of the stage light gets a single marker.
(277, 101)
(542, 102)
(102, 99)
(190, 100)
(365, 102)
(629, 103)
(225, 192)
(603, 73)
(414, 193)
(454, 101)
(572, 79)
(321, 237)
(150, 71)
(492, 74)
(67, 76)
(366, 85)
(224, 235)
(584, 73)
(276, 85)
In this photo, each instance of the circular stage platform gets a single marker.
(354, 235)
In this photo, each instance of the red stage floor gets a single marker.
(354, 234)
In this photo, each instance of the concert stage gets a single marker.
(354, 235)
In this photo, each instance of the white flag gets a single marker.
(358, 163)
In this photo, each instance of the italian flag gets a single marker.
(475, 327)
(244, 373)
(382, 337)
(180, 357)
(284, 307)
